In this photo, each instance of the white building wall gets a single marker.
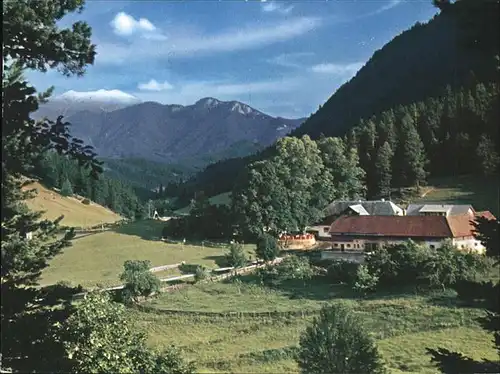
(469, 243)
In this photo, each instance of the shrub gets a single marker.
(365, 281)
(139, 281)
(200, 273)
(341, 271)
(410, 264)
(188, 268)
(294, 267)
(86, 201)
(267, 247)
(336, 342)
(236, 256)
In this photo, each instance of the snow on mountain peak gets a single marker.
(99, 95)
(241, 108)
(208, 102)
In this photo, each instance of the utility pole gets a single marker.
(149, 209)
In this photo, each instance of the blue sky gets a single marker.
(283, 58)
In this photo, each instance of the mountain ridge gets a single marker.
(169, 132)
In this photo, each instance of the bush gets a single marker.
(86, 201)
(236, 256)
(139, 281)
(188, 268)
(410, 264)
(201, 273)
(341, 271)
(365, 281)
(336, 342)
(267, 248)
(294, 267)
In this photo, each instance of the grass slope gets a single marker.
(75, 213)
(98, 258)
(481, 193)
(404, 326)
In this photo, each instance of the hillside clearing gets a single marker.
(481, 193)
(221, 199)
(75, 212)
(99, 258)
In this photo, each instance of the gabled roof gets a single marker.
(415, 209)
(392, 226)
(373, 207)
(453, 226)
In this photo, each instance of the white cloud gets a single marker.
(342, 70)
(189, 92)
(289, 60)
(153, 85)
(124, 24)
(391, 4)
(191, 43)
(274, 7)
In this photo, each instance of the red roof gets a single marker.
(486, 214)
(407, 226)
(394, 226)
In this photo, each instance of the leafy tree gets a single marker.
(236, 256)
(267, 247)
(66, 188)
(100, 338)
(383, 170)
(336, 342)
(139, 281)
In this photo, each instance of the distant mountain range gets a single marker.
(119, 125)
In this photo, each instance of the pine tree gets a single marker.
(487, 156)
(26, 338)
(410, 158)
(383, 170)
(66, 188)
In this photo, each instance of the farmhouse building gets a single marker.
(353, 208)
(364, 233)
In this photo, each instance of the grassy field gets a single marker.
(99, 258)
(75, 213)
(482, 193)
(404, 326)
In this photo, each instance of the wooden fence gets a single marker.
(175, 287)
(245, 314)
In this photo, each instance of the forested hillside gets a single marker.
(67, 175)
(416, 65)
(452, 134)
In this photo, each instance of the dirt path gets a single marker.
(427, 192)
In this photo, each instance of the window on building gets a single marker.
(326, 229)
(348, 246)
(336, 245)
